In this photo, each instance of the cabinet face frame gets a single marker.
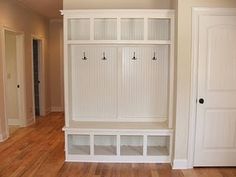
(118, 14)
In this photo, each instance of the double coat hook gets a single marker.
(153, 58)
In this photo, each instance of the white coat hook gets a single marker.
(134, 57)
(84, 57)
(104, 56)
(154, 56)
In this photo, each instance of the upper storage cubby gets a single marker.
(132, 29)
(105, 28)
(79, 29)
(119, 26)
(158, 29)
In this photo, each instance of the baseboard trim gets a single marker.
(57, 109)
(48, 110)
(3, 137)
(180, 164)
(21, 122)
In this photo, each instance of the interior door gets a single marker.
(12, 81)
(215, 143)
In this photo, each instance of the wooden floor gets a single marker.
(38, 151)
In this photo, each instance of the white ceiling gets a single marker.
(47, 8)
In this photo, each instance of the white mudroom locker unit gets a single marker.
(119, 76)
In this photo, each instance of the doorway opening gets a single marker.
(14, 80)
(37, 76)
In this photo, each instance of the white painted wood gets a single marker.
(111, 42)
(105, 29)
(132, 29)
(94, 83)
(118, 159)
(163, 26)
(128, 25)
(171, 74)
(92, 144)
(123, 13)
(144, 83)
(79, 29)
(94, 94)
(214, 49)
(105, 145)
(119, 125)
(104, 150)
(66, 72)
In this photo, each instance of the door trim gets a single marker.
(21, 75)
(42, 99)
(196, 13)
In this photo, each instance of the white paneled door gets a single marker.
(215, 143)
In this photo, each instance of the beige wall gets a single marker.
(116, 4)
(11, 76)
(184, 68)
(56, 64)
(17, 17)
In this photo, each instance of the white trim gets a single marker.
(180, 164)
(196, 13)
(21, 122)
(42, 100)
(20, 74)
(57, 109)
(4, 89)
(131, 13)
(47, 110)
(61, 68)
(3, 137)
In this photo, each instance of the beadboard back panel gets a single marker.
(129, 84)
(144, 83)
(94, 82)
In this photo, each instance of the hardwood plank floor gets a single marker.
(38, 151)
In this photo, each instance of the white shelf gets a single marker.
(105, 145)
(158, 145)
(105, 29)
(118, 126)
(80, 150)
(138, 42)
(114, 25)
(132, 29)
(131, 145)
(131, 150)
(159, 29)
(105, 150)
(157, 151)
(79, 29)
(79, 144)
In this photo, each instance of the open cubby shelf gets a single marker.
(119, 146)
(119, 81)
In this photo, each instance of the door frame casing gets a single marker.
(41, 76)
(197, 12)
(20, 53)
